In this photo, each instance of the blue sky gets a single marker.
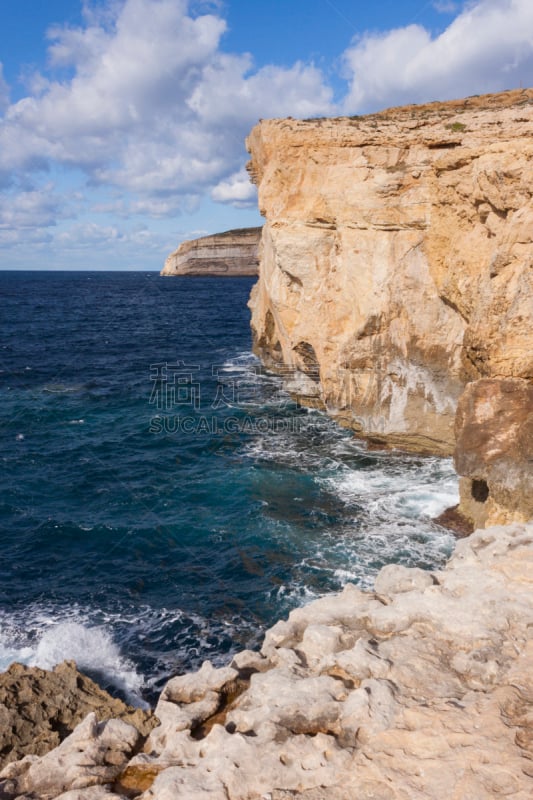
(122, 122)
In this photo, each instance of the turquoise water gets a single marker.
(163, 500)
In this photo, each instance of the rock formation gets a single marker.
(420, 690)
(231, 254)
(396, 267)
(494, 427)
(38, 709)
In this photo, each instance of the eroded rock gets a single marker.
(39, 708)
(419, 691)
(494, 429)
(94, 754)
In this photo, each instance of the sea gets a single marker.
(163, 500)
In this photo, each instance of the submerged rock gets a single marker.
(420, 690)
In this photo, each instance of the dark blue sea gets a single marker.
(163, 501)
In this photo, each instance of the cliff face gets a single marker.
(233, 253)
(396, 268)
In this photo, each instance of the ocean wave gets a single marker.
(44, 639)
(165, 641)
(414, 488)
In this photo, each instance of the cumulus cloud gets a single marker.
(150, 104)
(228, 92)
(35, 208)
(237, 190)
(143, 103)
(487, 47)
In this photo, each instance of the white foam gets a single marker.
(46, 635)
(428, 501)
(92, 648)
(421, 490)
(10, 652)
(346, 576)
(61, 388)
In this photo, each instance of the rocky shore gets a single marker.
(419, 690)
(230, 254)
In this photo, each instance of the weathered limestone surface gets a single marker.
(94, 754)
(420, 690)
(38, 708)
(397, 265)
(495, 449)
(233, 253)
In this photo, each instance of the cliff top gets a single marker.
(476, 102)
(490, 118)
(234, 232)
(412, 116)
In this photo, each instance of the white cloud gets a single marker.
(35, 208)
(94, 238)
(89, 235)
(160, 207)
(488, 47)
(445, 6)
(142, 111)
(150, 105)
(227, 92)
(25, 240)
(237, 190)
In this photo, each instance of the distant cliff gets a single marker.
(396, 269)
(232, 253)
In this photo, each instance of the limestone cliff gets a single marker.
(396, 267)
(232, 253)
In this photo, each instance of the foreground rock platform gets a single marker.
(420, 690)
(233, 253)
